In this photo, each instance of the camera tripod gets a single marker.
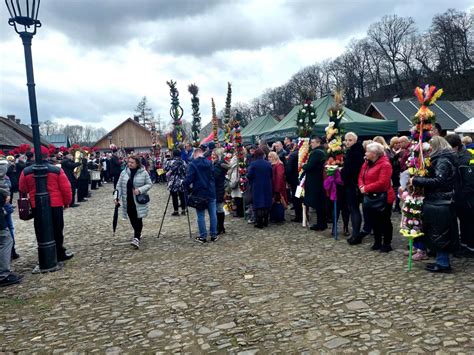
(186, 209)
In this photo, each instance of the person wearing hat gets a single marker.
(68, 166)
(6, 242)
(60, 197)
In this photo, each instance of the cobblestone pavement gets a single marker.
(283, 289)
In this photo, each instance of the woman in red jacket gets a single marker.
(376, 185)
(278, 184)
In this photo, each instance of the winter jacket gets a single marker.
(353, 161)
(376, 177)
(115, 165)
(291, 169)
(84, 175)
(439, 183)
(464, 196)
(439, 216)
(201, 176)
(58, 186)
(396, 170)
(279, 183)
(260, 176)
(175, 174)
(11, 173)
(234, 177)
(282, 155)
(142, 182)
(68, 166)
(315, 195)
(220, 172)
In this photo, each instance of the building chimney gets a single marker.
(136, 118)
(11, 117)
(17, 120)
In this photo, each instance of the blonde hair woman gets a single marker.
(439, 218)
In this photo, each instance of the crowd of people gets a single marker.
(210, 178)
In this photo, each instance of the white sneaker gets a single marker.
(135, 243)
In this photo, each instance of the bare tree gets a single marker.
(389, 35)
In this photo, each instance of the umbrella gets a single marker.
(115, 219)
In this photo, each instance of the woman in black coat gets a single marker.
(220, 172)
(315, 195)
(439, 216)
(353, 161)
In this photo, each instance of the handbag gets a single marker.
(277, 212)
(24, 208)
(375, 201)
(197, 202)
(143, 199)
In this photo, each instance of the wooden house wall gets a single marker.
(129, 135)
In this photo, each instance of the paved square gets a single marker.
(281, 289)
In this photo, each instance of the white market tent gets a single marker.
(466, 127)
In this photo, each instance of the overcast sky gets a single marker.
(95, 59)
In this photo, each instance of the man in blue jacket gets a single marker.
(201, 176)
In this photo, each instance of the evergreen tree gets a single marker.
(144, 112)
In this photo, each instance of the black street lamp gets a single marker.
(110, 139)
(25, 21)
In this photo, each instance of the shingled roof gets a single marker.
(13, 133)
(447, 115)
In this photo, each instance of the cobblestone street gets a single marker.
(284, 289)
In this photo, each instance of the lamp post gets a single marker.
(110, 139)
(25, 22)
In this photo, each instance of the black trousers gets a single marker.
(73, 189)
(353, 203)
(82, 189)
(466, 224)
(137, 223)
(382, 224)
(174, 196)
(94, 184)
(239, 207)
(58, 227)
(297, 203)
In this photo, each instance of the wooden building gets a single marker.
(129, 135)
(13, 133)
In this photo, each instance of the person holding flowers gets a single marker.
(439, 217)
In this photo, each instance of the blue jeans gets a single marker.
(442, 258)
(211, 208)
(11, 227)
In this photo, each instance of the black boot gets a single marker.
(265, 218)
(220, 223)
(14, 255)
(259, 219)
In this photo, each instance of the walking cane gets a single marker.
(164, 214)
(187, 212)
(335, 220)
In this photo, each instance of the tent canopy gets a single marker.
(352, 121)
(257, 125)
(466, 127)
